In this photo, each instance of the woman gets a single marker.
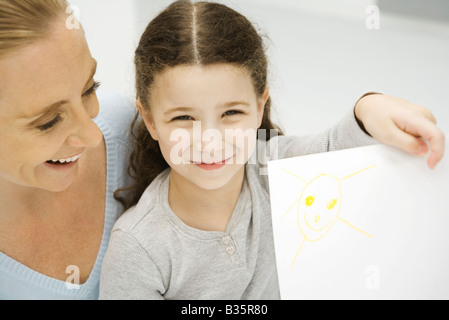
(61, 158)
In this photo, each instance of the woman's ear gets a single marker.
(261, 105)
(147, 119)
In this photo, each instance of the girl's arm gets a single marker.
(376, 118)
(402, 124)
(128, 273)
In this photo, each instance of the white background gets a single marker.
(322, 55)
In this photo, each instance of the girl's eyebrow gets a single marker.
(234, 103)
(177, 109)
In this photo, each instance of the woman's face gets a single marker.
(47, 103)
(205, 120)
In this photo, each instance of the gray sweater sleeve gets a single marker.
(134, 277)
(344, 134)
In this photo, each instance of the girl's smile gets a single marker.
(213, 165)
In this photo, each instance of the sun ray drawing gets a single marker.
(318, 207)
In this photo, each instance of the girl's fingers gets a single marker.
(406, 142)
(420, 128)
(436, 149)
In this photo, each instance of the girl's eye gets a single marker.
(232, 112)
(92, 89)
(51, 124)
(182, 118)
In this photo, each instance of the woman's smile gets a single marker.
(63, 164)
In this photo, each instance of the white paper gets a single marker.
(364, 223)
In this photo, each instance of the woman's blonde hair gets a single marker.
(23, 22)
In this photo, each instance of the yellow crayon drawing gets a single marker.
(319, 206)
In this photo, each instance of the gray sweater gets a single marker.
(152, 254)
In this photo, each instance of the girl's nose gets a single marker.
(205, 132)
(198, 146)
(207, 141)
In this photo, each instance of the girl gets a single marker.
(202, 228)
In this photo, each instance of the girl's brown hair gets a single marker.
(23, 22)
(186, 33)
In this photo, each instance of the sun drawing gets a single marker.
(319, 206)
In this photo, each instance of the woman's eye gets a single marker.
(232, 112)
(182, 118)
(47, 126)
(92, 89)
(51, 124)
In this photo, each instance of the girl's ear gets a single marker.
(147, 119)
(261, 105)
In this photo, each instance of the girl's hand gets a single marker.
(399, 123)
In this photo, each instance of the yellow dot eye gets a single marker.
(331, 204)
(309, 200)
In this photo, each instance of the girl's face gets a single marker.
(47, 102)
(205, 120)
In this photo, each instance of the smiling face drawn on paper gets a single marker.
(319, 206)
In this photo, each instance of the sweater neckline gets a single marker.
(239, 210)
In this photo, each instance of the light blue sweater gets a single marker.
(20, 282)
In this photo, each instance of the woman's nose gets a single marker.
(86, 134)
